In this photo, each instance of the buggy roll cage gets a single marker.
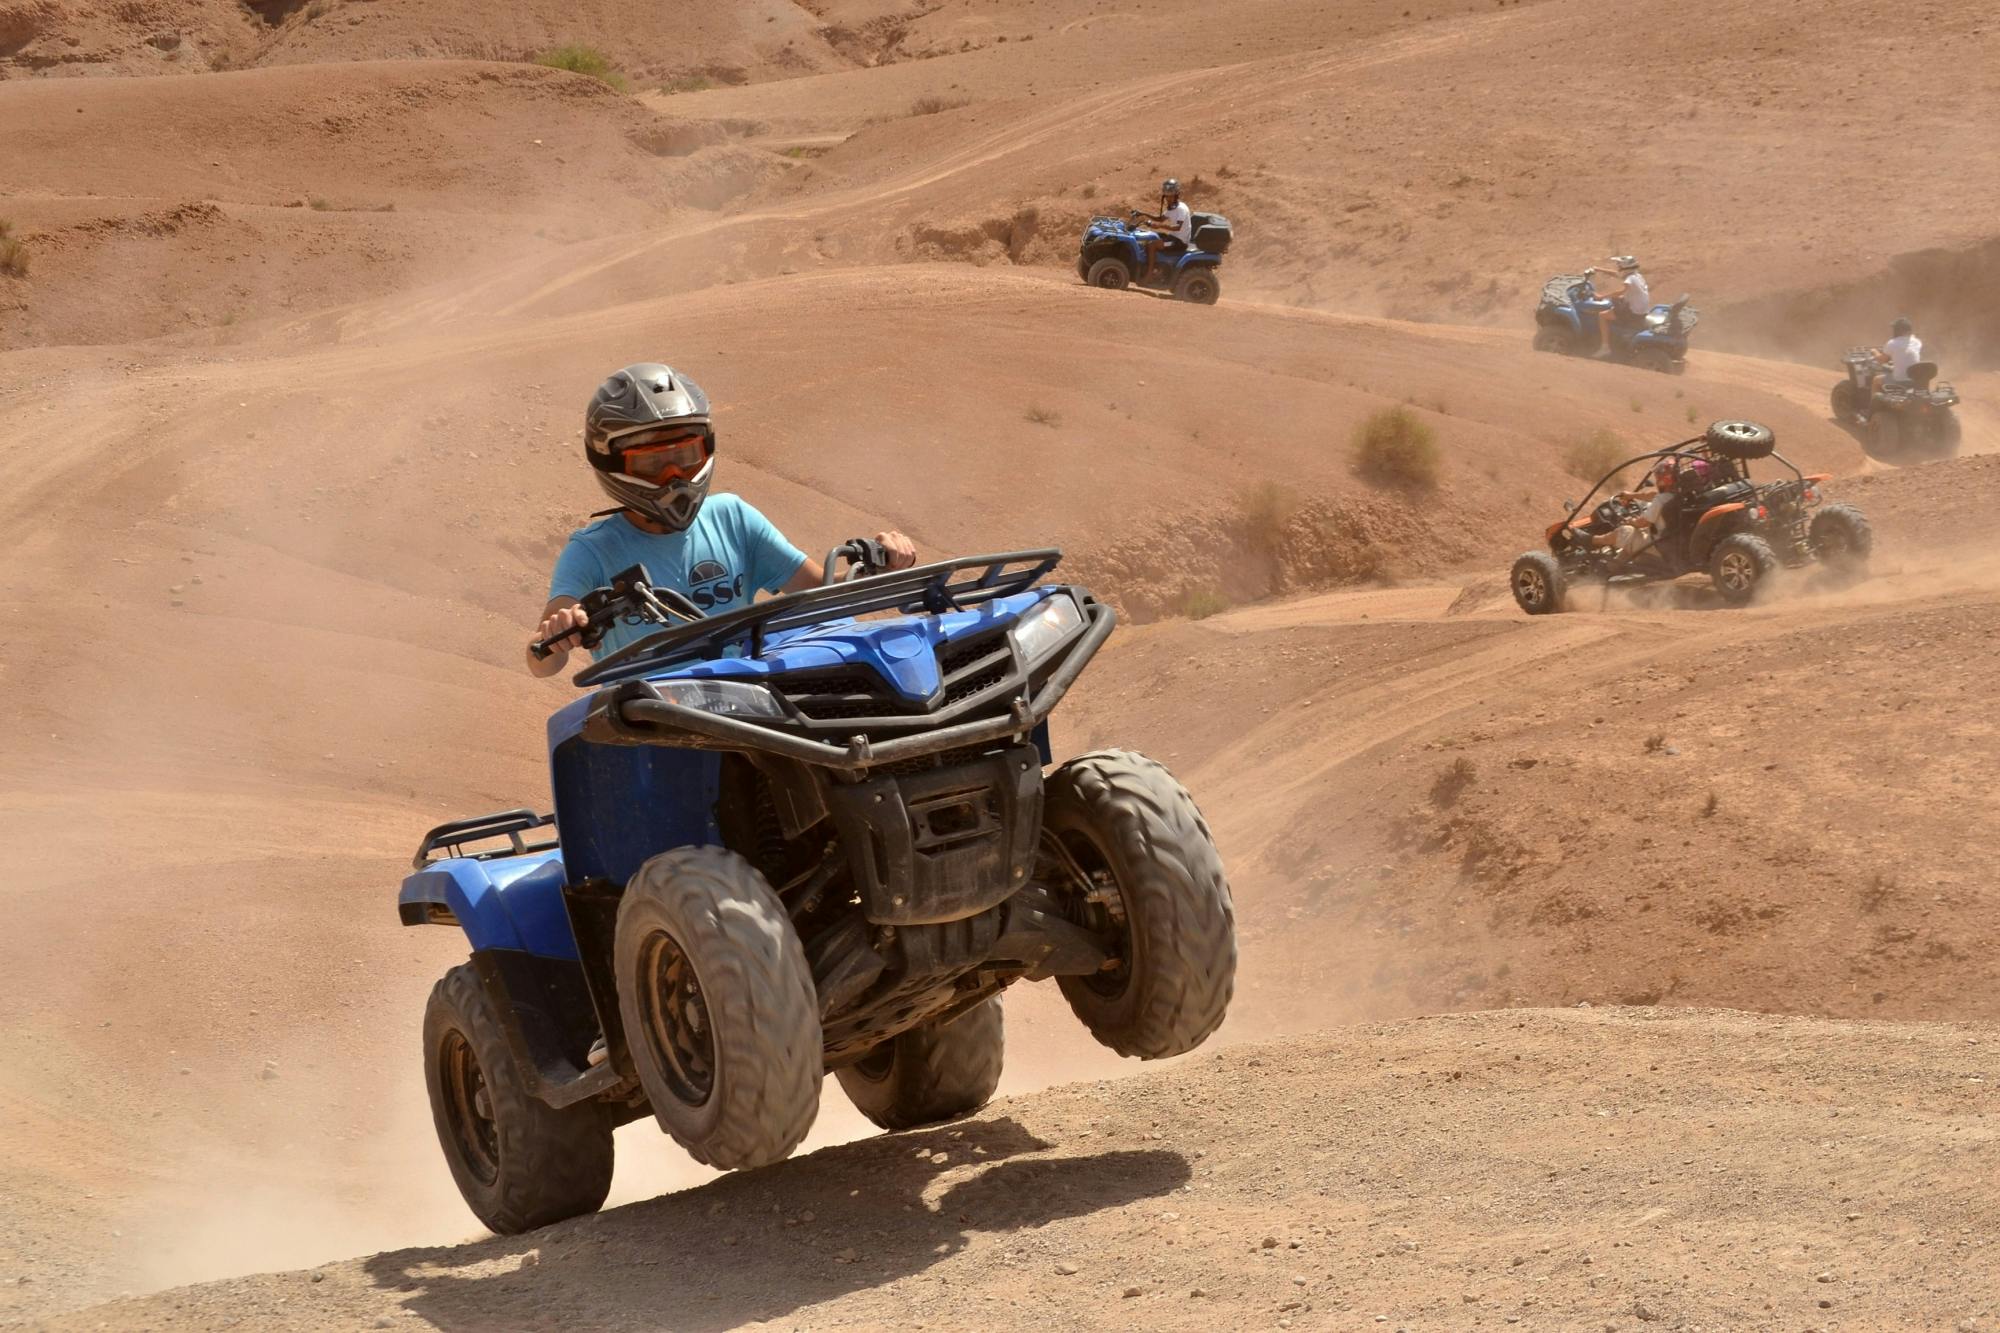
(923, 588)
(1686, 448)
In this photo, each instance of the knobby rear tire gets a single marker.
(541, 1164)
(933, 1073)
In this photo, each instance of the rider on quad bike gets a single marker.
(1890, 399)
(651, 445)
(1629, 308)
(1173, 225)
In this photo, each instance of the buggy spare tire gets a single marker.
(1152, 887)
(720, 1012)
(1841, 538)
(519, 1162)
(1110, 274)
(1200, 285)
(1741, 440)
(1537, 581)
(1740, 565)
(933, 1073)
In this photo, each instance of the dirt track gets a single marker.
(281, 483)
(1684, 1169)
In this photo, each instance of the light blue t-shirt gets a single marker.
(720, 561)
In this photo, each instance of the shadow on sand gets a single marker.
(757, 1246)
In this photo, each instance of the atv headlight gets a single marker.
(1043, 630)
(726, 698)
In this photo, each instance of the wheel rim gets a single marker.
(469, 1108)
(1737, 571)
(1110, 279)
(1095, 900)
(875, 1065)
(1531, 587)
(1835, 545)
(674, 1015)
(1740, 432)
(1199, 290)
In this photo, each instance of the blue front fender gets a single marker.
(513, 902)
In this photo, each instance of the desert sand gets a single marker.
(1633, 967)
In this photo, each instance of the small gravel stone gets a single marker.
(1134, 1291)
(1067, 1270)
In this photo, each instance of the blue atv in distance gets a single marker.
(819, 833)
(1566, 321)
(1113, 256)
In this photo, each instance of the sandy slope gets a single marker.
(1532, 1169)
(268, 575)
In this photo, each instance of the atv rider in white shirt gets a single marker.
(1174, 222)
(1630, 306)
(1903, 350)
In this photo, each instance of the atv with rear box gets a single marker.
(820, 833)
(1566, 321)
(1113, 256)
(1898, 421)
(1718, 521)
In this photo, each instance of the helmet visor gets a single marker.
(661, 454)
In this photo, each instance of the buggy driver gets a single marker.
(1173, 223)
(651, 446)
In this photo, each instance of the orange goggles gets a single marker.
(663, 455)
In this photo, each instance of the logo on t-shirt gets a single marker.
(710, 585)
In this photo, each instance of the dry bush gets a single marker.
(1452, 780)
(1043, 416)
(1593, 455)
(1268, 508)
(585, 60)
(687, 83)
(1201, 603)
(930, 104)
(1396, 448)
(13, 254)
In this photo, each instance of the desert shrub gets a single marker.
(585, 60)
(1201, 603)
(687, 83)
(319, 205)
(1451, 782)
(1593, 455)
(930, 104)
(1090, 190)
(1395, 447)
(13, 254)
(1267, 508)
(1043, 416)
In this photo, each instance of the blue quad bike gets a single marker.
(820, 833)
(1566, 321)
(1113, 256)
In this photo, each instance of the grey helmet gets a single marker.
(1901, 328)
(1170, 185)
(1626, 263)
(629, 409)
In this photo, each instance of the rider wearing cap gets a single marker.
(1174, 222)
(651, 446)
(1632, 303)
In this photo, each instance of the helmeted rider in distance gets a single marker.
(1173, 224)
(651, 445)
(1630, 305)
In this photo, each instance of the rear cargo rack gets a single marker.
(508, 824)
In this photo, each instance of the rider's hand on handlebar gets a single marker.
(560, 622)
(902, 552)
